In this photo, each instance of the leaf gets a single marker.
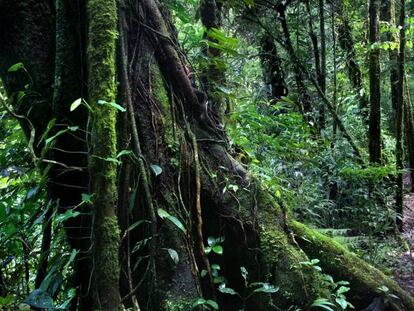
(124, 152)
(164, 214)
(198, 302)
(4, 301)
(342, 290)
(86, 198)
(178, 223)
(174, 255)
(4, 182)
(135, 225)
(16, 67)
(266, 288)
(116, 106)
(244, 273)
(156, 169)
(113, 104)
(212, 304)
(211, 241)
(32, 192)
(112, 160)
(342, 302)
(76, 104)
(67, 215)
(226, 290)
(70, 295)
(71, 259)
(203, 273)
(323, 303)
(218, 249)
(215, 266)
(40, 299)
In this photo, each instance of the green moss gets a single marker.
(183, 304)
(335, 260)
(160, 94)
(295, 281)
(106, 254)
(159, 91)
(299, 285)
(102, 17)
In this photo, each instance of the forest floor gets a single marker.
(404, 275)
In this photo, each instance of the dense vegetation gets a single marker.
(206, 155)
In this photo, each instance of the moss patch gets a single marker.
(335, 260)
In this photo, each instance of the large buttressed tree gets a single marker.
(144, 159)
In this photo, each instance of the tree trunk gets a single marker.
(374, 135)
(102, 32)
(409, 131)
(194, 173)
(399, 195)
(304, 97)
(273, 74)
(317, 61)
(346, 42)
(322, 80)
(213, 76)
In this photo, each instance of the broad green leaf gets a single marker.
(76, 104)
(266, 288)
(218, 249)
(118, 107)
(123, 153)
(86, 198)
(4, 182)
(198, 302)
(156, 169)
(323, 303)
(342, 302)
(226, 290)
(211, 241)
(212, 304)
(16, 67)
(174, 255)
(67, 215)
(164, 214)
(40, 299)
(112, 104)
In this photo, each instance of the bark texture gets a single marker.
(176, 136)
(374, 136)
(102, 32)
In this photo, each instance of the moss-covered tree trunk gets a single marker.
(188, 170)
(102, 33)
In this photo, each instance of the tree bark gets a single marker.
(409, 131)
(322, 80)
(374, 136)
(399, 195)
(103, 27)
(213, 75)
(273, 73)
(257, 235)
(346, 42)
(304, 97)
